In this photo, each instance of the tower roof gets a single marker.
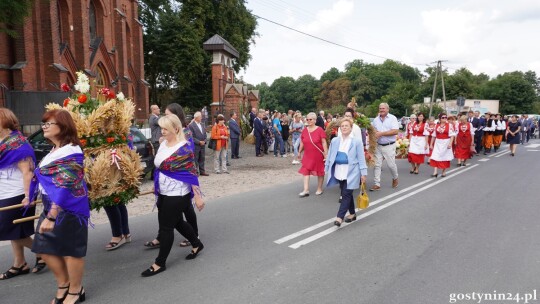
(217, 43)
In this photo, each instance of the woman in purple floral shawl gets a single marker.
(62, 229)
(176, 183)
(17, 162)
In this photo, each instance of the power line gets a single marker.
(310, 15)
(334, 43)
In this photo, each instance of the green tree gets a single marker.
(306, 91)
(280, 95)
(337, 92)
(177, 67)
(13, 15)
(330, 75)
(515, 93)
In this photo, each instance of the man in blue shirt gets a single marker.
(276, 126)
(387, 127)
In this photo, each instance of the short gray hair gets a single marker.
(384, 104)
(197, 114)
(312, 115)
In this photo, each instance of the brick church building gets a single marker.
(103, 38)
(227, 96)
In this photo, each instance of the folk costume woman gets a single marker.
(441, 144)
(63, 226)
(429, 129)
(489, 130)
(409, 126)
(16, 166)
(500, 130)
(175, 184)
(464, 141)
(346, 166)
(418, 144)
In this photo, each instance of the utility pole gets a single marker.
(438, 70)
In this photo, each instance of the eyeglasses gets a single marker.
(46, 125)
(444, 117)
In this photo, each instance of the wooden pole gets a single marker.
(17, 206)
(26, 219)
(146, 193)
(31, 218)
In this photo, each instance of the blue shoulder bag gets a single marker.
(341, 158)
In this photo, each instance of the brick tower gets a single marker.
(227, 96)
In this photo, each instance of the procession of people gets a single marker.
(61, 235)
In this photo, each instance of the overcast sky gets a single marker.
(489, 36)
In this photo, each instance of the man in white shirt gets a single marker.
(387, 127)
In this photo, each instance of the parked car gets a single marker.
(143, 147)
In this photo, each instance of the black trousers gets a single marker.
(235, 147)
(258, 143)
(199, 157)
(119, 220)
(170, 218)
(478, 141)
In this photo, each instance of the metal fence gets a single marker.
(29, 106)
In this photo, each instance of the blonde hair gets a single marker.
(347, 119)
(311, 115)
(172, 123)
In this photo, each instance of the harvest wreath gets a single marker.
(112, 166)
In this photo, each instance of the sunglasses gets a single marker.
(444, 117)
(308, 119)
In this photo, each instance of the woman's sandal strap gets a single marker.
(18, 271)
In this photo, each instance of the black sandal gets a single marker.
(61, 300)
(40, 264)
(18, 271)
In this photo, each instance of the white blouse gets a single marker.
(341, 171)
(170, 186)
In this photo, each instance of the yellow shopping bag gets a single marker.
(362, 200)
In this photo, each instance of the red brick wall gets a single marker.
(39, 40)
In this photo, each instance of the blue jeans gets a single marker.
(296, 144)
(347, 200)
(278, 142)
(118, 217)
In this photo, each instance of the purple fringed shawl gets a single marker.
(13, 149)
(179, 166)
(63, 180)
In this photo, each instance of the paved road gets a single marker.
(477, 230)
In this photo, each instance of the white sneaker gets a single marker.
(295, 162)
(284, 155)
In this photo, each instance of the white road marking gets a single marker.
(497, 154)
(483, 160)
(321, 224)
(364, 215)
(503, 154)
(533, 146)
(533, 150)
